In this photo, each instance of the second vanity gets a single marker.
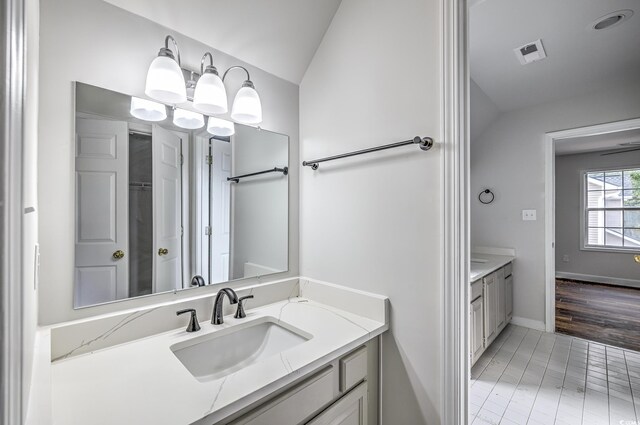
(309, 357)
(491, 297)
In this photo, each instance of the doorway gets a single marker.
(584, 257)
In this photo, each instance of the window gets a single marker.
(612, 209)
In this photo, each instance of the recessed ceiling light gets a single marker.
(611, 20)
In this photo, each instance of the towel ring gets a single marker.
(485, 200)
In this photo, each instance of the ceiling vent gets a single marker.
(530, 52)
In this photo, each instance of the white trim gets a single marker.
(528, 323)
(618, 281)
(549, 184)
(454, 141)
(12, 26)
(549, 233)
(616, 250)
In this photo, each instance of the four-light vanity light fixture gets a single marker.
(166, 83)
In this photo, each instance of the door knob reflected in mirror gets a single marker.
(118, 254)
(163, 251)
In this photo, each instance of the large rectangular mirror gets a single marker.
(160, 208)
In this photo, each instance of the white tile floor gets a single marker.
(533, 377)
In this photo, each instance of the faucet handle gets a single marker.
(193, 325)
(240, 314)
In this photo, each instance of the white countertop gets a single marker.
(493, 263)
(142, 382)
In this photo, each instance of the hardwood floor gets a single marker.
(601, 313)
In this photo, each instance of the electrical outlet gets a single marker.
(565, 258)
(528, 215)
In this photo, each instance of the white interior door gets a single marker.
(220, 210)
(167, 210)
(102, 206)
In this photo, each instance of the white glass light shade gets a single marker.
(165, 81)
(187, 119)
(220, 127)
(247, 108)
(210, 96)
(148, 110)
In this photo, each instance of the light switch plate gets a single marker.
(528, 215)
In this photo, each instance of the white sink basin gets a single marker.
(220, 353)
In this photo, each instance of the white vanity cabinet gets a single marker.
(349, 410)
(491, 308)
(336, 394)
(476, 328)
(490, 319)
(508, 297)
(501, 316)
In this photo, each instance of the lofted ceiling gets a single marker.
(278, 36)
(598, 142)
(579, 59)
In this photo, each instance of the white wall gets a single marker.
(568, 212)
(509, 158)
(483, 111)
(373, 222)
(97, 43)
(259, 203)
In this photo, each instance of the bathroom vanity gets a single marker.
(309, 355)
(491, 299)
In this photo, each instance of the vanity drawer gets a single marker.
(296, 404)
(353, 369)
(508, 269)
(476, 289)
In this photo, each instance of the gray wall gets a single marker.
(374, 222)
(97, 43)
(568, 210)
(509, 158)
(483, 112)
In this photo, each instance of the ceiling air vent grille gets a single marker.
(530, 52)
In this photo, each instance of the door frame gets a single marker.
(454, 137)
(12, 26)
(550, 140)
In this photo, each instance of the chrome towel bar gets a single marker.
(425, 143)
(236, 179)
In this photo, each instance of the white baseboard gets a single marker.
(528, 323)
(633, 283)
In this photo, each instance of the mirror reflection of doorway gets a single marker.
(140, 214)
(129, 236)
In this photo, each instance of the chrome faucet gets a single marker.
(216, 316)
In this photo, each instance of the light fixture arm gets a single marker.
(247, 83)
(209, 68)
(168, 50)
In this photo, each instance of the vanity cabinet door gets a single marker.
(508, 295)
(349, 410)
(490, 294)
(477, 329)
(501, 316)
(297, 404)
